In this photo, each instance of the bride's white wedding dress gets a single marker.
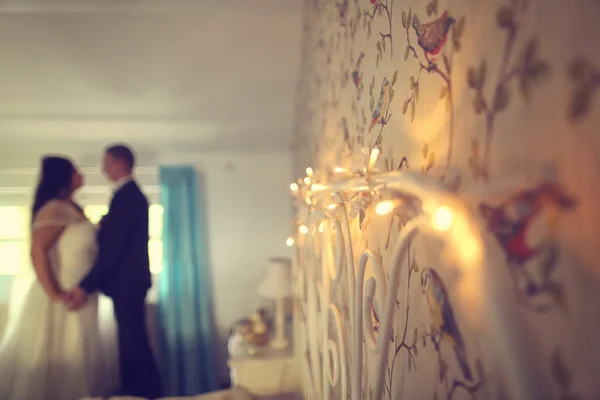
(48, 352)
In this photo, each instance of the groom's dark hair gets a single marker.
(123, 153)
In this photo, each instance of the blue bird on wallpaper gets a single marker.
(356, 72)
(443, 318)
(383, 104)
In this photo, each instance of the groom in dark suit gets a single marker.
(122, 272)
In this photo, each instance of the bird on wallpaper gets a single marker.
(374, 318)
(383, 104)
(403, 164)
(376, 324)
(512, 220)
(356, 72)
(432, 36)
(443, 320)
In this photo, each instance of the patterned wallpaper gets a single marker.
(472, 93)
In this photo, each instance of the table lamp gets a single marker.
(277, 285)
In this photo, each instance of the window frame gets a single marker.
(23, 237)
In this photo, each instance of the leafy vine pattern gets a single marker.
(402, 343)
(529, 69)
(586, 79)
(411, 208)
(561, 375)
(428, 159)
(379, 7)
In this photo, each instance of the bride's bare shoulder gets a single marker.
(55, 210)
(55, 205)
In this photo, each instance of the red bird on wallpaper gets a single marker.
(432, 36)
(511, 223)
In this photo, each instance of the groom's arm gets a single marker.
(112, 242)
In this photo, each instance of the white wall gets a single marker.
(248, 213)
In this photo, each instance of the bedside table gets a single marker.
(269, 372)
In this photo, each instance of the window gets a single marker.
(155, 246)
(14, 236)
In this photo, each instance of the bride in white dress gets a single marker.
(48, 352)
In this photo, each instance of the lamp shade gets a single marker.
(277, 282)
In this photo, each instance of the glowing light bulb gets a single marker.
(373, 158)
(332, 206)
(294, 187)
(309, 171)
(321, 227)
(385, 207)
(338, 170)
(375, 154)
(442, 219)
(303, 229)
(289, 242)
(307, 180)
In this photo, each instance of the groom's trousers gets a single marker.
(139, 372)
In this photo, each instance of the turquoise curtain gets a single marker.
(186, 328)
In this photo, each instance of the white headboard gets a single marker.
(351, 300)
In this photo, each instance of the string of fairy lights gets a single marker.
(425, 205)
(319, 195)
(305, 189)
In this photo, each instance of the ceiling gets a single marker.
(166, 76)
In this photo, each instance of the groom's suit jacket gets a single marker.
(122, 263)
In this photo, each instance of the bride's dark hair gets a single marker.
(55, 181)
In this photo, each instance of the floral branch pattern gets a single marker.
(381, 111)
(428, 159)
(586, 79)
(412, 99)
(562, 377)
(528, 70)
(470, 388)
(411, 349)
(380, 7)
